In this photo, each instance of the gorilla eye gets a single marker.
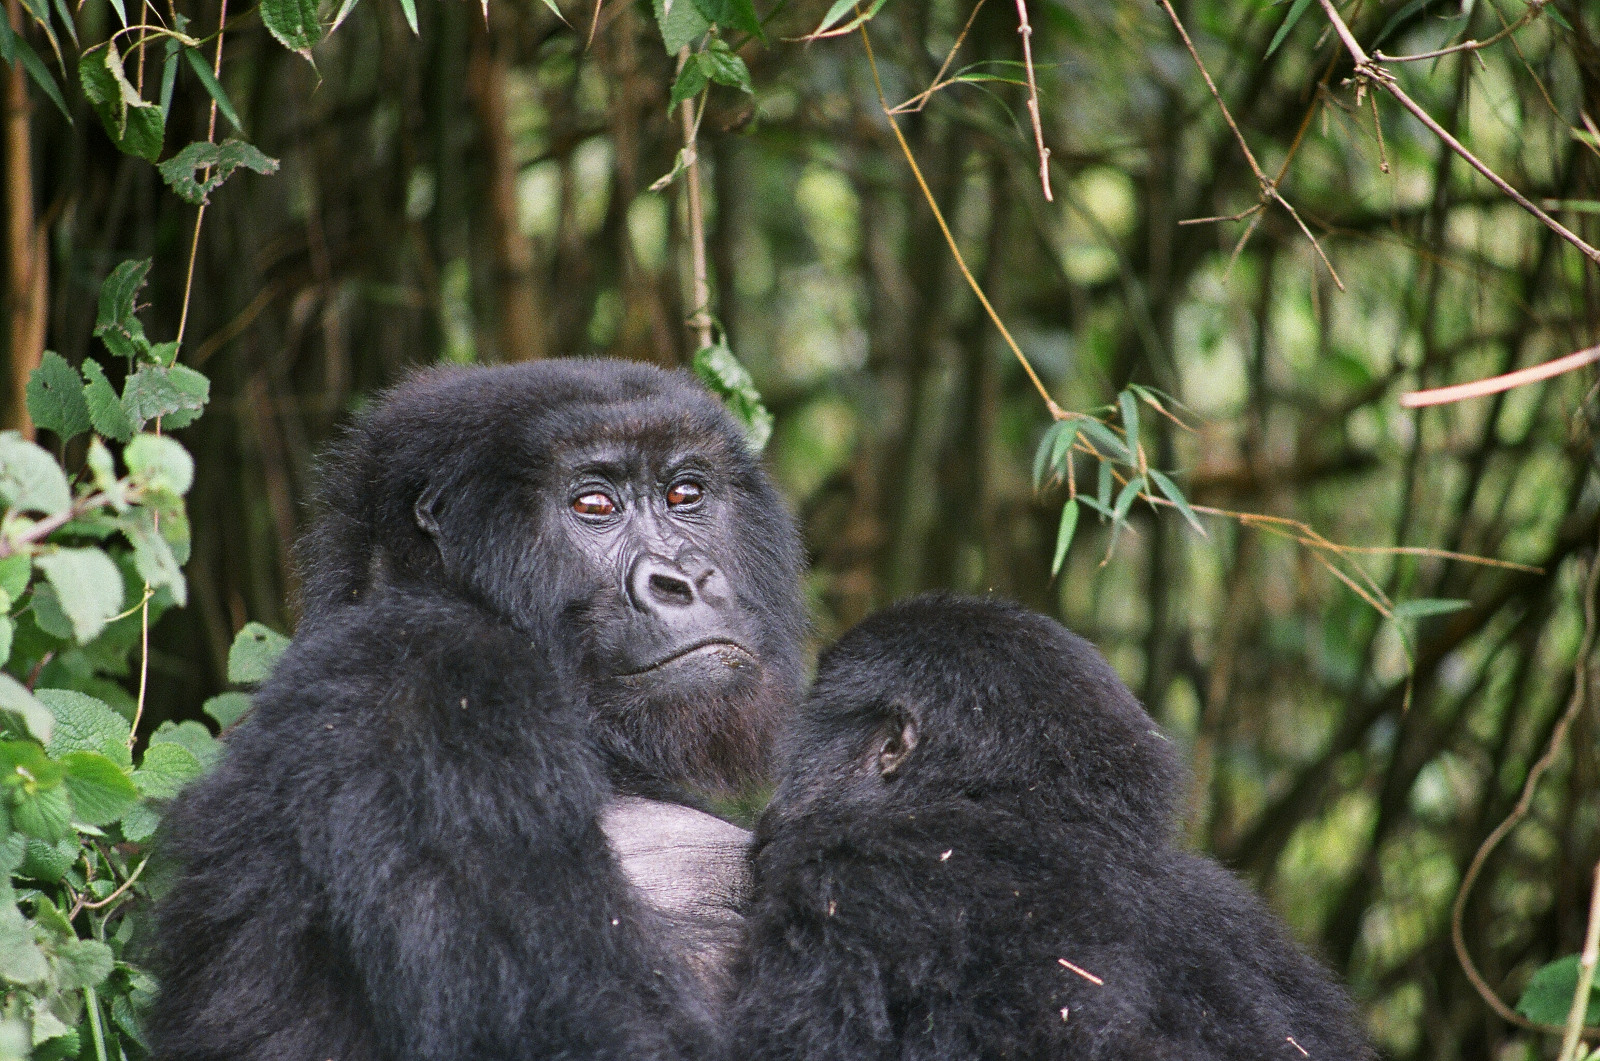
(595, 504)
(684, 493)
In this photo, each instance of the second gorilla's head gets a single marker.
(609, 510)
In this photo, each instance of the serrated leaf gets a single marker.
(101, 792)
(691, 81)
(45, 813)
(85, 724)
(55, 397)
(153, 391)
(153, 557)
(724, 67)
(727, 377)
(293, 22)
(1064, 533)
(1550, 992)
(49, 862)
(21, 959)
(88, 586)
(117, 322)
(191, 735)
(105, 408)
(30, 479)
(227, 708)
(133, 124)
(165, 769)
(732, 14)
(160, 462)
(681, 25)
(213, 88)
(1426, 606)
(17, 700)
(86, 963)
(217, 161)
(1170, 490)
(253, 654)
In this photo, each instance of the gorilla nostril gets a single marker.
(670, 589)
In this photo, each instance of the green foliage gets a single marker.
(1550, 992)
(728, 379)
(254, 653)
(214, 162)
(134, 124)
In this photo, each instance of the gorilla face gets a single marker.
(611, 512)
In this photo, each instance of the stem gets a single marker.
(700, 319)
(1586, 964)
(1026, 31)
(25, 285)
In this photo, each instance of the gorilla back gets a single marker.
(531, 589)
(970, 856)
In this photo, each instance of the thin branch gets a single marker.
(1495, 384)
(1368, 70)
(1465, 46)
(1026, 31)
(700, 320)
(920, 100)
(1586, 964)
(1558, 738)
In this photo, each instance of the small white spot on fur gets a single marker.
(946, 856)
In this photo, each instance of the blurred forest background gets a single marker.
(481, 192)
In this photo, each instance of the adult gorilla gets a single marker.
(540, 600)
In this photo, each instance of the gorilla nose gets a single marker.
(661, 587)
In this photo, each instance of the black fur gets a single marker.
(400, 856)
(972, 799)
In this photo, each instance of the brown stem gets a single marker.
(700, 318)
(26, 293)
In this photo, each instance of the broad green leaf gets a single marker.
(293, 22)
(47, 612)
(43, 813)
(681, 26)
(724, 67)
(217, 162)
(15, 571)
(153, 391)
(1426, 606)
(227, 708)
(133, 124)
(88, 585)
(21, 959)
(30, 479)
(101, 792)
(1064, 533)
(727, 377)
(86, 724)
(1550, 992)
(105, 408)
(85, 963)
(117, 322)
(191, 735)
(165, 769)
(16, 699)
(1173, 494)
(214, 89)
(49, 862)
(731, 14)
(55, 397)
(1289, 21)
(254, 653)
(153, 556)
(690, 83)
(140, 823)
(160, 462)
(8, 631)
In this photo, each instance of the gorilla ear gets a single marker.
(424, 510)
(899, 739)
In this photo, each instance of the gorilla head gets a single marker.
(605, 509)
(945, 695)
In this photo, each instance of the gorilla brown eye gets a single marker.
(684, 493)
(596, 504)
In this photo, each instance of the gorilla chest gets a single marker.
(691, 874)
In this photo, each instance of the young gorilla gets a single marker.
(540, 600)
(971, 855)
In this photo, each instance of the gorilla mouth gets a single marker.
(730, 654)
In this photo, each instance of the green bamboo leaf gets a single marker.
(1064, 533)
(1103, 486)
(1289, 20)
(1173, 494)
(1125, 500)
(214, 88)
(410, 9)
(1130, 418)
(1106, 440)
(1423, 607)
(839, 10)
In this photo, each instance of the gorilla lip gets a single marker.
(732, 653)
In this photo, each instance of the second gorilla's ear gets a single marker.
(899, 737)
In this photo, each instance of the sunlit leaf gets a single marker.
(134, 124)
(30, 479)
(254, 653)
(88, 586)
(293, 22)
(1064, 533)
